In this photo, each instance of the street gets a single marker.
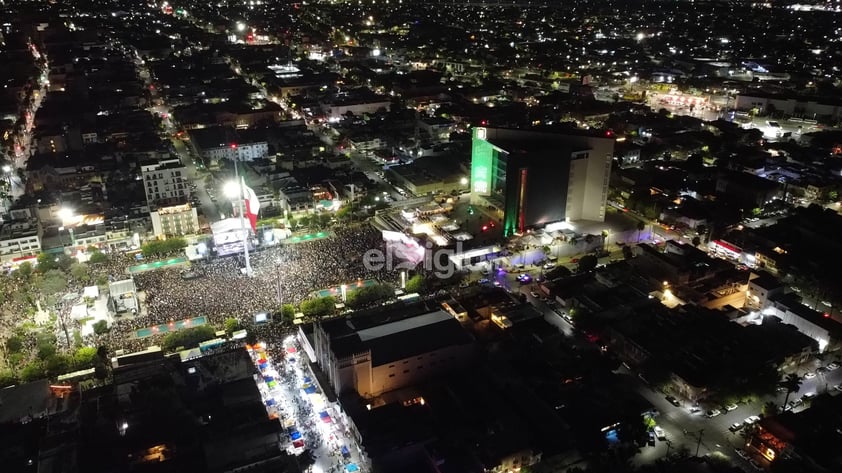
(291, 395)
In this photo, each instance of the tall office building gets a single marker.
(533, 178)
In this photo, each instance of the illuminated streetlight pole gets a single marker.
(238, 192)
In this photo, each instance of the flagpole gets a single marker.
(241, 182)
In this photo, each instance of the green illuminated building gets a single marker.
(531, 178)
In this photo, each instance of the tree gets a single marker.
(84, 358)
(587, 263)
(24, 272)
(53, 282)
(157, 248)
(640, 227)
(792, 383)
(769, 409)
(288, 312)
(46, 262)
(57, 364)
(318, 307)
(747, 433)
(100, 371)
(231, 325)
(98, 257)
(100, 327)
(32, 371)
(627, 252)
(697, 241)
(46, 349)
(415, 284)
(14, 344)
(64, 261)
(79, 272)
(188, 338)
(369, 295)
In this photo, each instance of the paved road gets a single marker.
(716, 436)
(209, 208)
(683, 427)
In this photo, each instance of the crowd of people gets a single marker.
(218, 289)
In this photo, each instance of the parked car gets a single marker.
(755, 465)
(651, 440)
(731, 407)
(659, 433)
(672, 400)
(742, 453)
(712, 413)
(735, 426)
(838, 387)
(810, 375)
(833, 366)
(751, 420)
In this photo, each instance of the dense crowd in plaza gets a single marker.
(288, 273)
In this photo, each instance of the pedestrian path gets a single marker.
(292, 395)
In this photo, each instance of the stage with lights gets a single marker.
(403, 247)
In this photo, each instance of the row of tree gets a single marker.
(188, 338)
(158, 248)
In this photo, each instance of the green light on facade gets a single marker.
(482, 157)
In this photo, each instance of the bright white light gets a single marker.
(65, 214)
(641, 36)
(463, 181)
(7, 168)
(241, 26)
(231, 189)
(632, 79)
(375, 52)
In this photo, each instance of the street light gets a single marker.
(231, 190)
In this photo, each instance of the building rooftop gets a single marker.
(403, 338)
(766, 281)
(26, 400)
